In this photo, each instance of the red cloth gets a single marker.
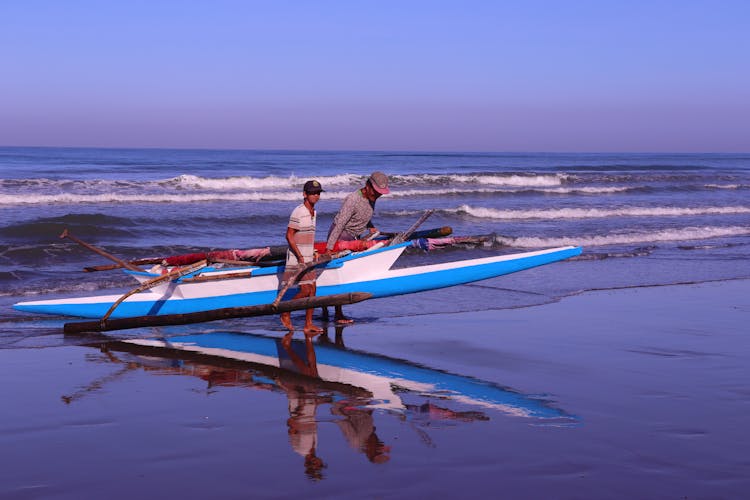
(354, 245)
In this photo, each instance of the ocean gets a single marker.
(591, 377)
(642, 219)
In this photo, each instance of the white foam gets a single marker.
(271, 182)
(235, 194)
(588, 213)
(511, 180)
(726, 186)
(640, 237)
(587, 190)
(66, 198)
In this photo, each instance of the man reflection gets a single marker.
(303, 397)
(356, 422)
(358, 428)
(350, 405)
(338, 339)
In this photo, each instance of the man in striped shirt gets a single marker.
(300, 234)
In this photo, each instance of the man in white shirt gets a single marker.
(300, 234)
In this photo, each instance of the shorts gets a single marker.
(306, 279)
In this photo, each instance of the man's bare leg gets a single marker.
(286, 340)
(308, 290)
(339, 317)
(286, 320)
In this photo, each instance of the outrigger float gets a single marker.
(204, 291)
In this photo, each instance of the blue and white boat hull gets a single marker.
(369, 272)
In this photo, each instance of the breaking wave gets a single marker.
(586, 213)
(639, 237)
(188, 181)
(507, 179)
(271, 182)
(70, 198)
(74, 199)
(727, 186)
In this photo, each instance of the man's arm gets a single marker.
(339, 222)
(290, 232)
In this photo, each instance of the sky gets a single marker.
(464, 75)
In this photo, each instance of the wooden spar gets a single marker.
(437, 232)
(146, 285)
(127, 265)
(137, 262)
(406, 234)
(276, 252)
(155, 260)
(323, 259)
(220, 277)
(215, 314)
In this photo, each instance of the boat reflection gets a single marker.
(353, 386)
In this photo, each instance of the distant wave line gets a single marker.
(188, 181)
(727, 186)
(289, 195)
(151, 198)
(640, 237)
(588, 213)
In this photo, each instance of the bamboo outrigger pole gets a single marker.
(126, 265)
(324, 259)
(147, 285)
(215, 314)
(137, 262)
(401, 237)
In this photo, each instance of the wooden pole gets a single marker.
(276, 252)
(324, 259)
(215, 314)
(406, 234)
(437, 232)
(127, 265)
(137, 262)
(147, 285)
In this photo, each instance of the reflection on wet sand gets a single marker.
(304, 397)
(324, 381)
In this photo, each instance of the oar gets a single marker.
(182, 271)
(405, 235)
(127, 265)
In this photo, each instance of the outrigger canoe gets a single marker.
(212, 287)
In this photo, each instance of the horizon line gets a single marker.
(415, 151)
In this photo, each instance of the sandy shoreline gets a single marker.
(655, 377)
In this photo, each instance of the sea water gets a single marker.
(647, 385)
(642, 219)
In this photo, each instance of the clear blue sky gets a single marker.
(599, 75)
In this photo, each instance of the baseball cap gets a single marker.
(379, 182)
(312, 187)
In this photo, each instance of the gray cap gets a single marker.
(379, 182)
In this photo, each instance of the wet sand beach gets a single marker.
(639, 392)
